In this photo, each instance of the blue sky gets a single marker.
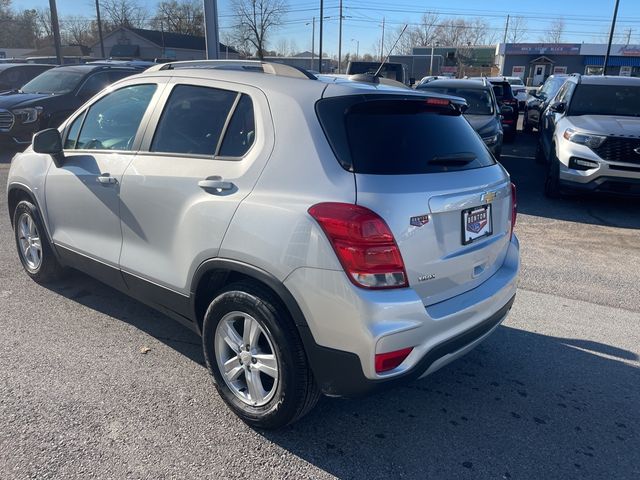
(585, 20)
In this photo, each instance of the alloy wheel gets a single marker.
(246, 358)
(30, 242)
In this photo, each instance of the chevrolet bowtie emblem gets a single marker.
(488, 197)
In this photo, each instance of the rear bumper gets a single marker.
(339, 373)
(347, 326)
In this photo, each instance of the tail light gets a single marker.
(514, 207)
(389, 361)
(363, 243)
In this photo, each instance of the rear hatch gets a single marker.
(424, 170)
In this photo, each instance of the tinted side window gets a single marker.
(74, 130)
(113, 121)
(193, 120)
(241, 131)
(94, 84)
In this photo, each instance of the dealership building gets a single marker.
(534, 62)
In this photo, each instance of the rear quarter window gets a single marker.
(399, 136)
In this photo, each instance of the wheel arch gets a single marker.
(15, 194)
(213, 274)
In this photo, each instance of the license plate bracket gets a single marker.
(476, 223)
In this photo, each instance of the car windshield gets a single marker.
(54, 81)
(551, 86)
(515, 81)
(479, 100)
(606, 100)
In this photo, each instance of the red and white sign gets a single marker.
(559, 70)
(518, 71)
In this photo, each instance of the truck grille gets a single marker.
(619, 149)
(6, 120)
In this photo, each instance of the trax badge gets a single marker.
(419, 221)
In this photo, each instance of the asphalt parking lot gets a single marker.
(554, 393)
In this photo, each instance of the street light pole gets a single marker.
(431, 63)
(55, 26)
(313, 40)
(100, 28)
(320, 46)
(613, 27)
(340, 41)
(212, 41)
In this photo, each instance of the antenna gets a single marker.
(390, 50)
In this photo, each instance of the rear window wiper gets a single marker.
(454, 159)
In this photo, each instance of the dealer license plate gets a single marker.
(476, 223)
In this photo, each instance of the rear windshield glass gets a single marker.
(400, 137)
(605, 100)
(479, 100)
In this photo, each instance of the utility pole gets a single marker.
(313, 41)
(382, 42)
(100, 28)
(629, 30)
(506, 30)
(55, 26)
(320, 46)
(340, 41)
(613, 27)
(212, 40)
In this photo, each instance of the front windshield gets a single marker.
(606, 100)
(551, 86)
(479, 100)
(515, 81)
(54, 81)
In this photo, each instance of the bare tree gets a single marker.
(43, 22)
(123, 13)
(426, 32)
(293, 47)
(554, 33)
(257, 19)
(180, 16)
(282, 47)
(517, 29)
(78, 31)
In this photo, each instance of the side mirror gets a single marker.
(558, 107)
(49, 141)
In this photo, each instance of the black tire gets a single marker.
(552, 178)
(48, 269)
(296, 391)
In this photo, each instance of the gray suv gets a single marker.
(322, 236)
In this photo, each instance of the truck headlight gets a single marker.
(591, 141)
(27, 115)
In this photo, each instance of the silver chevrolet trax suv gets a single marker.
(322, 235)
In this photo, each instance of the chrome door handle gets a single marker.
(107, 179)
(215, 183)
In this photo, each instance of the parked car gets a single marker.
(482, 113)
(519, 90)
(508, 104)
(226, 198)
(539, 100)
(48, 99)
(590, 136)
(15, 75)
